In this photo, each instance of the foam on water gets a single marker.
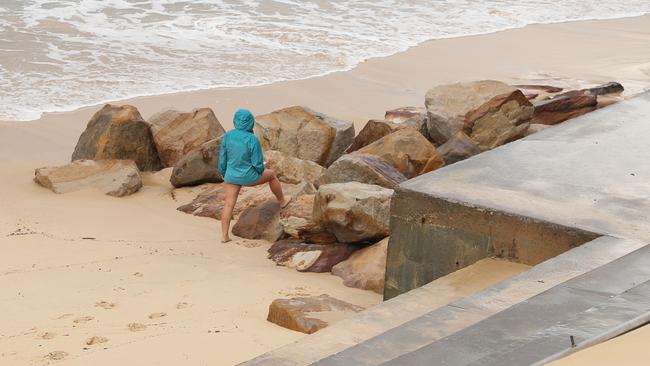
(58, 55)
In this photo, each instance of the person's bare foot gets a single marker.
(225, 240)
(286, 202)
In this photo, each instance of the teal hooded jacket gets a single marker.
(240, 159)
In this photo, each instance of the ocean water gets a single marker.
(58, 55)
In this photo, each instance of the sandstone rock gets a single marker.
(210, 203)
(373, 131)
(292, 170)
(297, 221)
(415, 117)
(198, 166)
(176, 133)
(365, 269)
(306, 257)
(502, 119)
(563, 107)
(304, 134)
(609, 88)
(309, 314)
(118, 132)
(353, 212)
(363, 168)
(534, 128)
(113, 177)
(408, 151)
(492, 110)
(458, 147)
(260, 222)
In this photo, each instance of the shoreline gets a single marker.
(147, 99)
(43, 114)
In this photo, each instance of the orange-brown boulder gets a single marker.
(408, 151)
(353, 212)
(176, 133)
(363, 168)
(489, 112)
(304, 134)
(365, 268)
(458, 147)
(309, 314)
(198, 166)
(118, 132)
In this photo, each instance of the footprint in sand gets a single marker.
(56, 355)
(157, 315)
(65, 316)
(182, 305)
(96, 340)
(105, 305)
(136, 327)
(83, 319)
(138, 274)
(47, 335)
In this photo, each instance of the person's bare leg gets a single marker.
(232, 192)
(274, 183)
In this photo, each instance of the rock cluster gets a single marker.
(341, 185)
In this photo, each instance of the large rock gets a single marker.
(490, 112)
(309, 314)
(211, 202)
(363, 168)
(297, 221)
(304, 134)
(373, 131)
(292, 170)
(563, 107)
(353, 212)
(113, 177)
(306, 257)
(260, 222)
(458, 147)
(118, 132)
(198, 166)
(408, 151)
(176, 133)
(415, 117)
(365, 269)
(609, 88)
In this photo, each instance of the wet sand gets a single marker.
(85, 265)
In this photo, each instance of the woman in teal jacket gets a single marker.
(241, 163)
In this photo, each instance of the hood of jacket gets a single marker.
(244, 120)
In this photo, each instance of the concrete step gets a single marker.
(396, 326)
(455, 316)
(595, 306)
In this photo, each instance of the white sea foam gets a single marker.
(58, 55)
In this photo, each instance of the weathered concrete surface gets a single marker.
(529, 200)
(455, 316)
(414, 319)
(533, 331)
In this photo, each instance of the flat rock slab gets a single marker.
(306, 257)
(309, 314)
(113, 177)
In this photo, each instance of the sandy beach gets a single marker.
(153, 284)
